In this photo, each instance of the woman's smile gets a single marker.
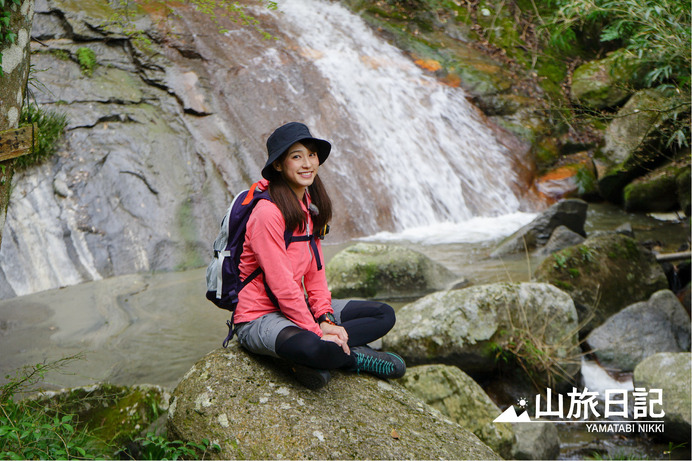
(299, 168)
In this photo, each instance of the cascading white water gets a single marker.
(144, 170)
(434, 154)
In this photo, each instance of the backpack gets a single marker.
(223, 275)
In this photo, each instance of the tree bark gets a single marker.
(15, 68)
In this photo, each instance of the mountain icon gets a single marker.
(510, 416)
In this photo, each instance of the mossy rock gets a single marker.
(457, 396)
(658, 190)
(253, 408)
(603, 275)
(469, 328)
(607, 82)
(114, 414)
(368, 270)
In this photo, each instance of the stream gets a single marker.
(151, 327)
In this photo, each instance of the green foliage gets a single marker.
(656, 32)
(87, 60)
(28, 431)
(50, 125)
(31, 429)
(158, 447)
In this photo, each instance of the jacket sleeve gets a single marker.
(265, 228)
(316, 286)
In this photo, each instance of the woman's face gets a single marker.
(298, 167)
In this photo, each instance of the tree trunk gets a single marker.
(15, 69)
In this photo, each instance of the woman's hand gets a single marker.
(335, 334)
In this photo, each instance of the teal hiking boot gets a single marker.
(381, 364)
(312, 378)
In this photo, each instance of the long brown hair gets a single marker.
(285, 199)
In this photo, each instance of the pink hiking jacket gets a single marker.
(287, 271)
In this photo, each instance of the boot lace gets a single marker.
(373, 364)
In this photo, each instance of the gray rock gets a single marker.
(606, 273)
(456, 395)
(570, 213)
(536, 441)
(635, 140)
(670, 372)
(469, 327)
(368, 270)
(252, 408)
(641, 330)
(561, 238)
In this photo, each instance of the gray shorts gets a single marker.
(259, 336)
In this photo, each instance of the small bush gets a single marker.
(28, 431)
(50, 125)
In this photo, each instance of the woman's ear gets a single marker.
(277, 165)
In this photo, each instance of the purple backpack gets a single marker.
(223, 276)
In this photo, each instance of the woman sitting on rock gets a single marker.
(274, 317)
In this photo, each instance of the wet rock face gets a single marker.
(252, 408)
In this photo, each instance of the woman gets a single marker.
(274, 316)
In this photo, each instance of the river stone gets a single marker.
(368, 270)
(252, 408)
(570, 213)
(468, 327)
(606, 273)
(671, 373)
(536, 441)
(656, 191)
(561, 238)
(603, 83)
(456, 395)
(660, 324)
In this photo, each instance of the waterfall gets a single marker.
(435, 157)
(158, 144)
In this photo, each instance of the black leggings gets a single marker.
(364, 321)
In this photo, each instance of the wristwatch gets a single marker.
(329, 318)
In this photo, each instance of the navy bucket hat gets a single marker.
(284, 137)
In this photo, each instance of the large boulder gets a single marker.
(251, 407)
(369, 270)
(470, 328)
(670, 372)
(604, 83)
(604, 274)
(660, 324)
(658, 190)
(635, 140)
(570, 213)
(456, 395)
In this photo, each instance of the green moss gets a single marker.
(573, 272)
(87, 60)
(63, 55)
